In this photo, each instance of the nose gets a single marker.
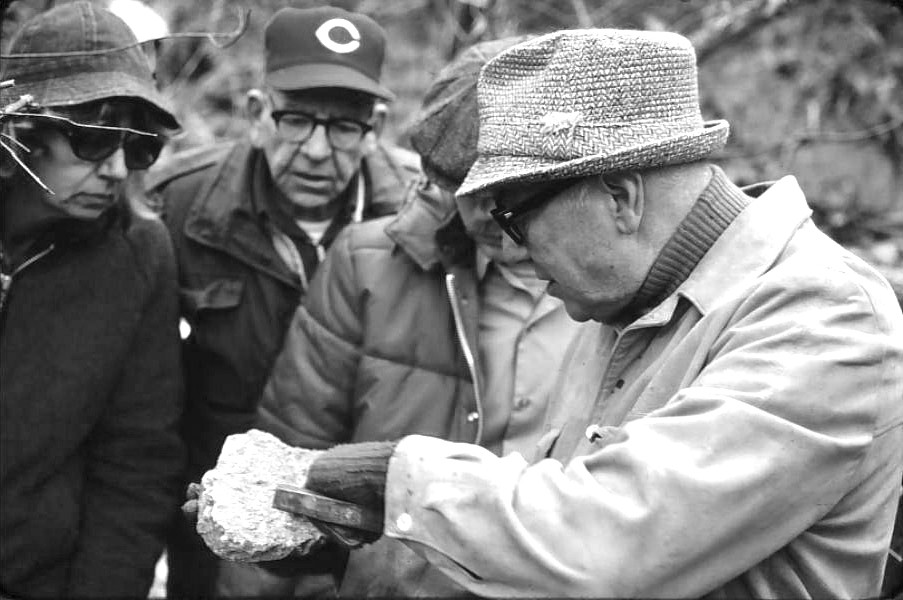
(113, 167)
(317, 147)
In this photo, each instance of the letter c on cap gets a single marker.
(326, 28)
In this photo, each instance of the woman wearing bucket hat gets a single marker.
(730, 427)
(431, 303)
(90, 458)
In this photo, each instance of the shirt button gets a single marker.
(521, 403)
(184, 329)
(404, 522)
(593, 433)
(472, 416)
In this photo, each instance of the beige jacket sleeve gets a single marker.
(774, 474)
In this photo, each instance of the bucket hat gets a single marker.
(581, 102)
(324, 47)
(78, 53)
(445, 131)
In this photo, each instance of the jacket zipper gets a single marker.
(6, 281)
(468, 351)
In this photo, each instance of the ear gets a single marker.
(627, 199)
(378, 122)
(258, 111)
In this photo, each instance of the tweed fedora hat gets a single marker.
(581, 102)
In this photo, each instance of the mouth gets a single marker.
(314, 183)
(90, 199)
(487, 239)
(542, 273)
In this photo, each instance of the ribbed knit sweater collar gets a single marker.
(716, 208)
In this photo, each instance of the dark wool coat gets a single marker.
(90, 397)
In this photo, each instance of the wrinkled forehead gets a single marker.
(333, 102)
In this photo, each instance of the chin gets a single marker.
(577, 313)
(503, 255)
(308, 200)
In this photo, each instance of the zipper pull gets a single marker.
(6, 281)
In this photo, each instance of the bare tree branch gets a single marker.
(720, 28)
(25, 168)
(229, 38)
(76, 123)
(23, 101)
(583, 18)
(18, 144)
(789, 145)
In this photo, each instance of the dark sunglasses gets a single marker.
(505, 216)
(94, 145)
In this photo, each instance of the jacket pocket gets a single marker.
(219, 294)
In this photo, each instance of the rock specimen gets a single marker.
(236, 517)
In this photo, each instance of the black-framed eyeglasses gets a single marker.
(506, 216)
(94, 145)
(297, 126)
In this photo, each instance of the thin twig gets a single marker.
(721, 28)
(583, 18)
(77, 124)
(16, 142)
(792, 142)
(25, 167)
(23, 101)
(230, 38)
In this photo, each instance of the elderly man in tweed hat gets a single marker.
(732, 426)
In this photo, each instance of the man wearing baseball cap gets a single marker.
(251, 221)
(731, 428)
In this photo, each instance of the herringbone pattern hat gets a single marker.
(582, 102)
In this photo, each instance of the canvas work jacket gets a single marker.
(237, 293)
(743, 439)
(385, 345)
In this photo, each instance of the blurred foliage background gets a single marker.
(812, 88)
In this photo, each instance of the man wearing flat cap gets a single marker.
(432, 303)
(251, 221)
(730, 428)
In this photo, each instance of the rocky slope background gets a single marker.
(812, 88)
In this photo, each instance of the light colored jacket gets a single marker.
(386, 344)
(747, 441)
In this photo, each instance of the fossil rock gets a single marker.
(236, 517)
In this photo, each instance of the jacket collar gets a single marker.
(224, 218)
(426, 214)
(746, 249)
